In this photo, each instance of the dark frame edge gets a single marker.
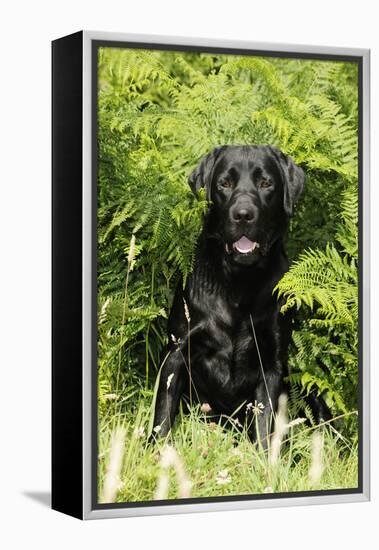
(67, 365)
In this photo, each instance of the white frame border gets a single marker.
(88, 512)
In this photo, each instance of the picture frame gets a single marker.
(75, 159)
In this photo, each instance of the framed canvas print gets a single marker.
(210, 275)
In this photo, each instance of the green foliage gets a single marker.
(323, 284)
(159, 113)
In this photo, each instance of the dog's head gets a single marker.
(252, 192)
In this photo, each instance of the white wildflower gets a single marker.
(256, 408)
(176, 342)
(139, 432)
(223, 477)
(205, 408)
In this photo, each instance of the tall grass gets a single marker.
(212, 460)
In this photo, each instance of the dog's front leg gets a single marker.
(171, 385)
(266, 405)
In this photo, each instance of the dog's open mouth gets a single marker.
(243, 246)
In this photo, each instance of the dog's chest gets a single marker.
(230, 373)
(239, 345)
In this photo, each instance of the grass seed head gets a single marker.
(132, 252)
(281, 428)
(317, 466)
(186, 311)
(112, 481)
(171, 459)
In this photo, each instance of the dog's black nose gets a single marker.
(243, 213)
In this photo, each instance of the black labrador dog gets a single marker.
(228, 340)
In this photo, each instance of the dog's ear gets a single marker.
(293, 180)
(201, 176)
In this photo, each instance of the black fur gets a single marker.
(252, 192)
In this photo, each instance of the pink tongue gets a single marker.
(244, 245)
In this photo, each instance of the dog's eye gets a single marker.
(227, 184)
(264, 184)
